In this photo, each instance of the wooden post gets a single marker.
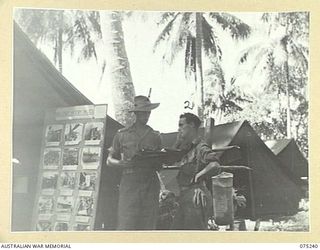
(208, 129)
(257, 225)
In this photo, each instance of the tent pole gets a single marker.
(208, 128)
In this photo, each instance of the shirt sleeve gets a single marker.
(115, 150)
(203, 154)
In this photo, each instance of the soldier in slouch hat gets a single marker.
(139, 187)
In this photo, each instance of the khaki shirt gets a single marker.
(127, 142)
(193, 162)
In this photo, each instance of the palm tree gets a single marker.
(61, 29)
(281, 53)
(222, 98)
(195, 32)
(64, 29)
(118, 66)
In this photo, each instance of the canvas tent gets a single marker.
(37, 87)
(288, 152)
(272, 192)
(268, 189)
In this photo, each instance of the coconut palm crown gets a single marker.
(195, 32)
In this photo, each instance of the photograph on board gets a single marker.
(44, 226)
(46, 205)
(49, 183)
(73, 133)
(65, 204)
(93, 133)
(51, 158)
(87, 181)
(61, 226)
(67, 182)
(81, 227)
(54, 134)
(90, 157)
(85, 206)
(221, 96)
(70, 159)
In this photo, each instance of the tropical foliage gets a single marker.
(64, 29)
(194, 32)
(284, 59)
(61, 30)
(274, 68)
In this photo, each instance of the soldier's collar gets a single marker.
(133, 127)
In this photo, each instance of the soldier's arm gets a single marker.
(208, 157)
(211, 169)
(115, 162)
(114, 157)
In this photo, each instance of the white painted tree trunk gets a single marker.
(117, 66)
(289, 135)
(199, 100)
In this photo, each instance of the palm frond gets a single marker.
(179, 38)
(88, 51)
(299, 54)
(236, 26)
(165, 17)
(94, 18)
(164, 35)
(209, 40)
(266, 17)
(184, 28)
(176, 41)
(245, 53)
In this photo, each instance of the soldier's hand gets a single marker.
(118, 163)
(199, 198)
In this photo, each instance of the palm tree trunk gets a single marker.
(199, 73)
(286, 69)
(60, 42)
(117, 66)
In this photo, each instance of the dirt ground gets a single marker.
(296, 223)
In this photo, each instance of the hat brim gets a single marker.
(147, 108)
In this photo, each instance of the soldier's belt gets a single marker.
(140, 170)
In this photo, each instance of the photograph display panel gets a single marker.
(69, 172)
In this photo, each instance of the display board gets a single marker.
(70, 166)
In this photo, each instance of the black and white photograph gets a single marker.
(87, 181)
(46, 204)
(90, 158)
(44, 226)
(70, 159)
(81, 227)
(54, 134)
(51, 158)
(67, 182)
(221, 96)
(93, 133)
(85, 206)
(73, 133)
(49, 182)
(65, 204)
(83, 219)
(61, 226)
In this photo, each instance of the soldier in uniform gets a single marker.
(196, 166)
(139, 187)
